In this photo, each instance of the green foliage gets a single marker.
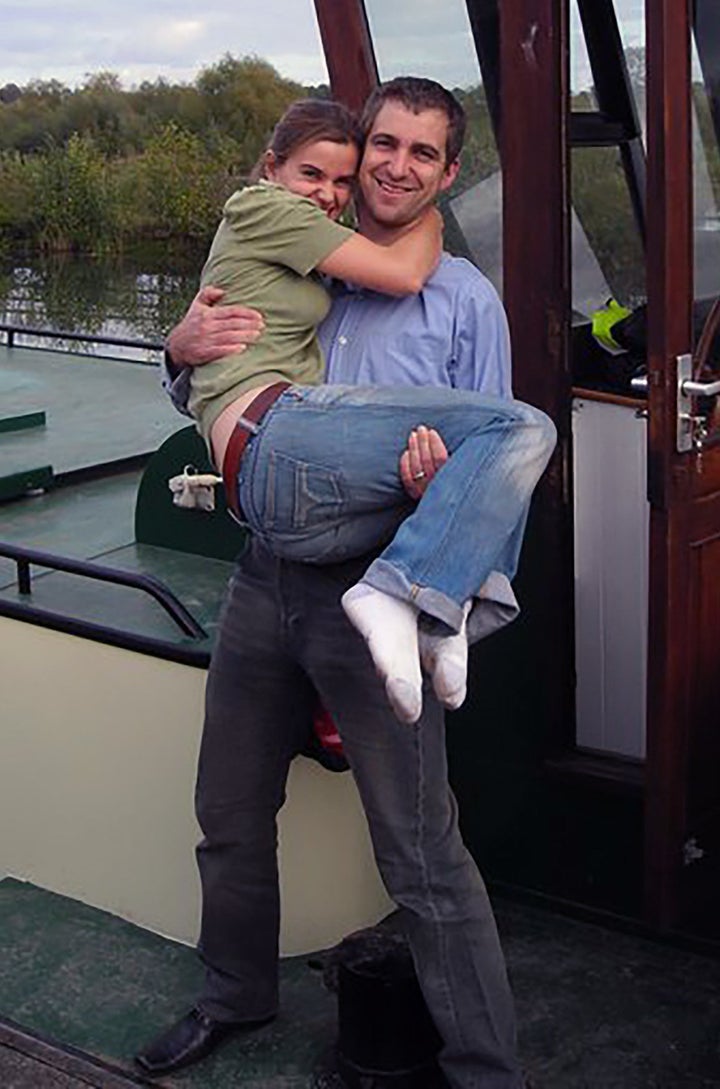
(98, 167)
(73, 197)
(182, 186)
(480, 156)
(16, 211)
(244, 98)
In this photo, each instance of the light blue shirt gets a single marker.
(453, 333)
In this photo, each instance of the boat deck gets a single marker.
(75, 434)
(597, 1009)
(82, 990)
(97, 411)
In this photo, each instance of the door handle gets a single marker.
(692, 427)
(689, 387)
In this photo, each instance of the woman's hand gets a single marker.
(425, 455)
(209, 332)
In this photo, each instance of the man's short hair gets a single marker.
(417, 94)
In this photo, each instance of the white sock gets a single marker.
(389, 627)
(445, 658)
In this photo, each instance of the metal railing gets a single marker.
(13, 331)
(24, 558)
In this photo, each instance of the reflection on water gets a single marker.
(138, 295)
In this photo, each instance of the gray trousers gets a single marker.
(282, 637)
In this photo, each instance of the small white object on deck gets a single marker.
(193, 490)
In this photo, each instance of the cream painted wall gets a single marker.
(97, 763)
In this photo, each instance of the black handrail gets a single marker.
(12, 331)
(24, 557)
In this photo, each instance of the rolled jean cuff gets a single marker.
(392, 580)
(494, 606)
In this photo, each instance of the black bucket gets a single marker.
(386, 1035)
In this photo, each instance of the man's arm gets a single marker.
(481, 362)
(481, 343)
(206, 332)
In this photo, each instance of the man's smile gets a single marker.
(394, 187)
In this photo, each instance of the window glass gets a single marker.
(706, 183)
(435, 41)
(631, 22)
(607, 253)
(606, 243)
(581, 80)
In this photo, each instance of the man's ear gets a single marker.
(449, 175)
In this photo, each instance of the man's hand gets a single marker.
(424, 457)
(209, 332)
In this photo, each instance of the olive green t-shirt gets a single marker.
(263, 256)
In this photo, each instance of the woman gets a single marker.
(319, 479)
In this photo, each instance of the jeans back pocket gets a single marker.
(301, 497)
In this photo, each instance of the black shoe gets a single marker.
(188, 1041)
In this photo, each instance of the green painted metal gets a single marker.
(159, 522)
(22, 421)
(27, 480)
(99, 411)
(97, 983)
(197, 581)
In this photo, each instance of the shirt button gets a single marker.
(342, 341)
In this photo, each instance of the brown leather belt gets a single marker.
(240, 438)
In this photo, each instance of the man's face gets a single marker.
(404, 165)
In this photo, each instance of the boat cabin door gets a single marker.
(676, 196)
(682, 828)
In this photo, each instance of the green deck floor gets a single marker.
(597, 1009)
(97, 410)
(80, 521)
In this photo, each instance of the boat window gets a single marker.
(607, 252)
(581, 81)
(706, 185)
(608, 153)
(706, 168)
(436, 41)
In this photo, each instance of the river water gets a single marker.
(139, 295)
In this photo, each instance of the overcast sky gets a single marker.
(144, 39)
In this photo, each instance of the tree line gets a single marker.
(98, 169)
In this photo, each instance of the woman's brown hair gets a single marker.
(305, 122)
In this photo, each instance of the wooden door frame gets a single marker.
(670, 293)
(534, 115)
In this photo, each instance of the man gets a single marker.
(284, 639)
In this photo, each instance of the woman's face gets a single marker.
(323, 171)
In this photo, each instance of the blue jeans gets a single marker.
(320, 483)
(283, 637)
